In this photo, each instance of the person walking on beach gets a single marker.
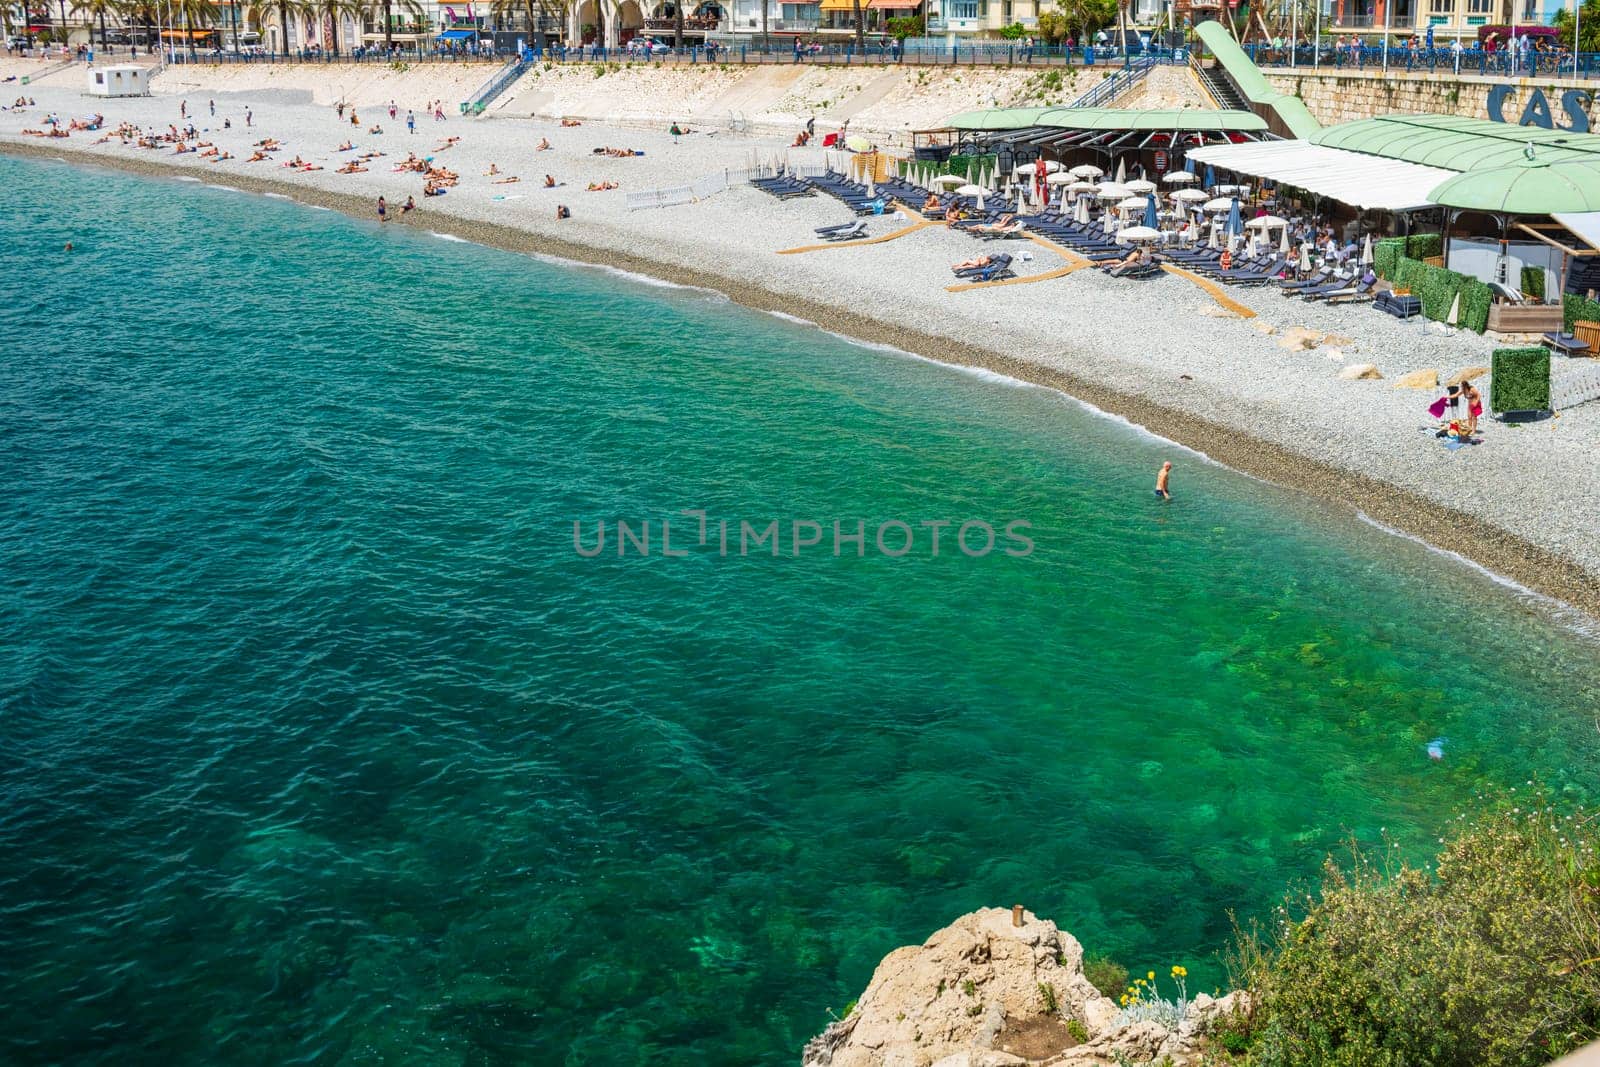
(249, 118)
(411, 121)
(383, 210)
(212, 104)
(391, 110)
(183, 109)
(1474, 400)
(1161, 481)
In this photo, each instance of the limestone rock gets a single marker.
(1428, 378)
(1359, 372)
(952, 995)
(1217, 311)
(1300, 339)
(1337, 339)
(1264, 328)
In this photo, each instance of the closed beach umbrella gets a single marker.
(1150, 213)
(1139, 185)
(1212, 240)
(1218, 205)
(1366, 251)
(1305, 258)
(1140, 233)
(1283, 243)
(1086, 170)
(1189, 196)
(1122, 171)
(1083, 210)
(1211, 177)
(1234, 224)
(1454, 318)
(1179, 177)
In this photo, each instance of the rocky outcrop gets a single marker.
(1000, 988)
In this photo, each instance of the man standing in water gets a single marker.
(1161, 481)
(383, 210)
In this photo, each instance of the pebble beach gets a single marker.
(1160, 353)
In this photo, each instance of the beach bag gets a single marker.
(1436, 409)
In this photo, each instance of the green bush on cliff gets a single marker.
(1106, 975)
(1490, 956)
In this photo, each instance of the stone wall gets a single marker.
(1165, 87)
(1345, 96)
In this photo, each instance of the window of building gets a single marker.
(964, 9)
(1441, 7)
(1480, 7)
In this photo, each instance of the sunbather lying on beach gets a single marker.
(618, 153)
(511, 180)
(1137, 258)
(375, 129)
(973, 263)
(448, 142)
(258, 157)
(431, 189)
(932, 203)
(351, 167)
(347, 146)
(999, 224)
(565, 122)
(602, 186)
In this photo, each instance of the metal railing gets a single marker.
(1114, 86)
(755, 51)
(1576, 385)
(1353, 54)
(497, 84)
(702, 187)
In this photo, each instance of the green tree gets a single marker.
(1084, 17)
(1590, 20)
(502, 9)
(196, 15)
(861, 29)
(1490, 958)
(333, 11)
(285, 8)
(96, 10)
(909, 26)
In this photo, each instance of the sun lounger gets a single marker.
(854, 232)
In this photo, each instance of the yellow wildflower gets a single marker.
(1151, 976)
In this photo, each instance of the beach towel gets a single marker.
(830, 140)
(1436, 409)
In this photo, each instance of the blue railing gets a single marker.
(498, 84)
(779, 51)
(1475, 60)
(1114, 86)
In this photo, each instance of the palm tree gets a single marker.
(333, 11)
(95, 10)
(533, 9)
(196, 14)
(677, 24)
(284, 9)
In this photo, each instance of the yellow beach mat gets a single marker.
(1213, 290)
(1059, 272)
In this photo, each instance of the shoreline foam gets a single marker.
(1500, 553)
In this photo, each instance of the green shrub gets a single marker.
(1533, 282)
(1077, 1031)
(1521, 379)
(1386, 256)
(1575, 307)
(1492, 958)
(1106, 975)
(1047, 994)
(1437, 289)
(1476, 297)
(1422, 245)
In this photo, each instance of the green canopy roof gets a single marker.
(1457, 143)
(1108, 118)
(1248, 77)
(1526, 187)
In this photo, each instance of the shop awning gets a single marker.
(895, 5)
(1349, 177)
(841, 5)
(457, 35)
(186, 35)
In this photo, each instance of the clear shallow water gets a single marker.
(322, 745)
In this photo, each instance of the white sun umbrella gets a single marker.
(1221, 203)
(1082, 187)
(1086, 170)
(1113, 191)
(1061, 179)
(1266, 222)
(1179, 177)
(1122, 170)
(1189, 196)
(969, 190)
(949, 179)
(1139, 233)
(1139, 185)
(1133, 203)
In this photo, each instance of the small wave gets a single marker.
(450, 237)
(278, 196)
(630, 275)
(228, 188)
(1564, 613)
(798, 321)
(316, 207)
(184, 178)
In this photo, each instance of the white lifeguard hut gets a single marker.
(125, 80)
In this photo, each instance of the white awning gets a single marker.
(1353, 178)
(1586, 224)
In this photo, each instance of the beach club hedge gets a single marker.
(1400, 260)
(1520, 379)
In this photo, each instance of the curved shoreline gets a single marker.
(1497, 550)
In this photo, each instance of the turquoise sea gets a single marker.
(323, 745)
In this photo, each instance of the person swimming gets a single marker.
(1161, 481)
